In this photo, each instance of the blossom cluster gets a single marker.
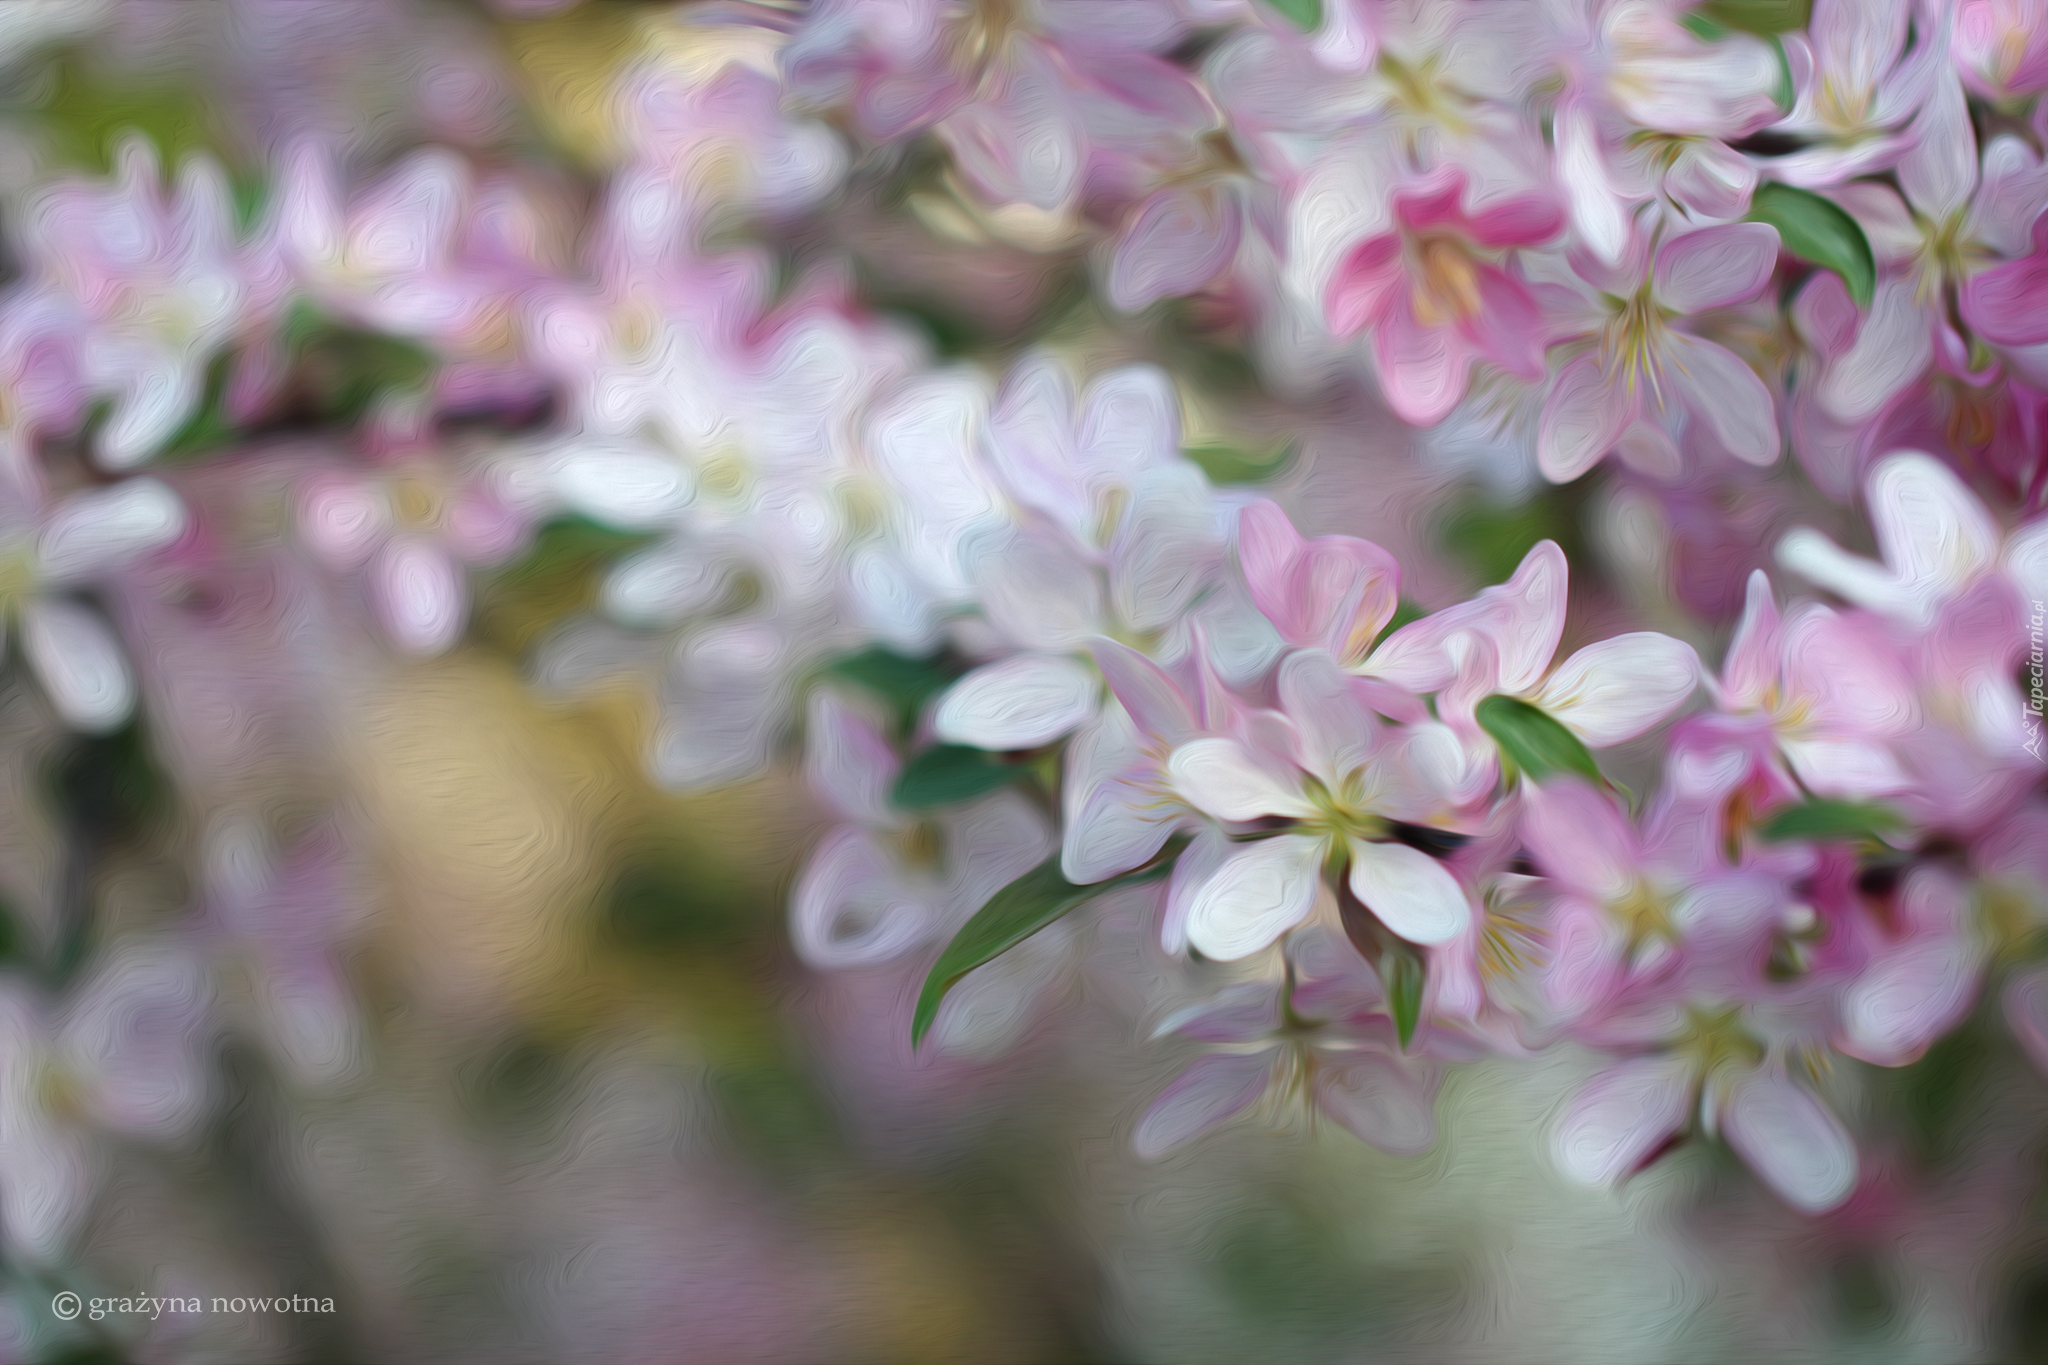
(1033, 649)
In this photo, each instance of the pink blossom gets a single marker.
(1325, 1038)
(1436, 297)
(1651, 391)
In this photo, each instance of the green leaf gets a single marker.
(949, 773)
(1012, 915)
(209, 428)
(1306, 15)
(1815, 230)
(1830, 821)
(1401, 974)
(1762, 17)
(1235, 464)
(1700, 26)
(1533, 741)
(905, 683)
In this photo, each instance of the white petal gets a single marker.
(1220, 777)
(1623, 1116)
(1844, 767)
(1617, 688)
(1020, 703)
(421, 594)
(852, 908)
(1410, 892)
(157, 395)
(1930, 528)
(1819, 560)
(1260, 892)
(100, 529)
(2026, 562)
(1209, 1092)
(1791, 1141)
(1939, 172)
(620, 485)
(79, 663)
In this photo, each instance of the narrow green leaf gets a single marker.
(1012, 915)
(1306, 15)
(1401, 975)
(1831, 821)
(1533, 741)
(1815, 230)
(948, 773)
(1704, 28)
(1762, 17)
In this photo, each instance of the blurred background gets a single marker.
(397, 982)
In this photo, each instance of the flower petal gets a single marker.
(1410, 892)
(1258, 893)
(1726, 396)
(1020, 703)
(851, 907)
(101, 529)
(1716, 266)
(421, 594)
(1617, 688)
(1380, 1101)
(1222, 778)
(1211, 1091)
(1622, 1117)
(1583, 417)
(1791, 1141)
(79, 663)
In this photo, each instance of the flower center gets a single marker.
(1644, 913)
(1343, 814)
(1446, 279)
(1716, 1038)
(1633, 338)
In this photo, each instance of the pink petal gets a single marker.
(1791, 1141)
(1334, 592)
(851, 907)
(1716, 266)
(1175, 243)
(1224, 779)
(421, 594)
(1519, 220)
(1583, 417)
(1580, 838)
(1378, 1100)
(1522, 619)
(1212, 1091)
(2009, 304)
(1423, 370)
(1155, 702)
(1725, 395)
(1751, 667)
(1364, 283)
(1510, 328)
(1614, 689)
